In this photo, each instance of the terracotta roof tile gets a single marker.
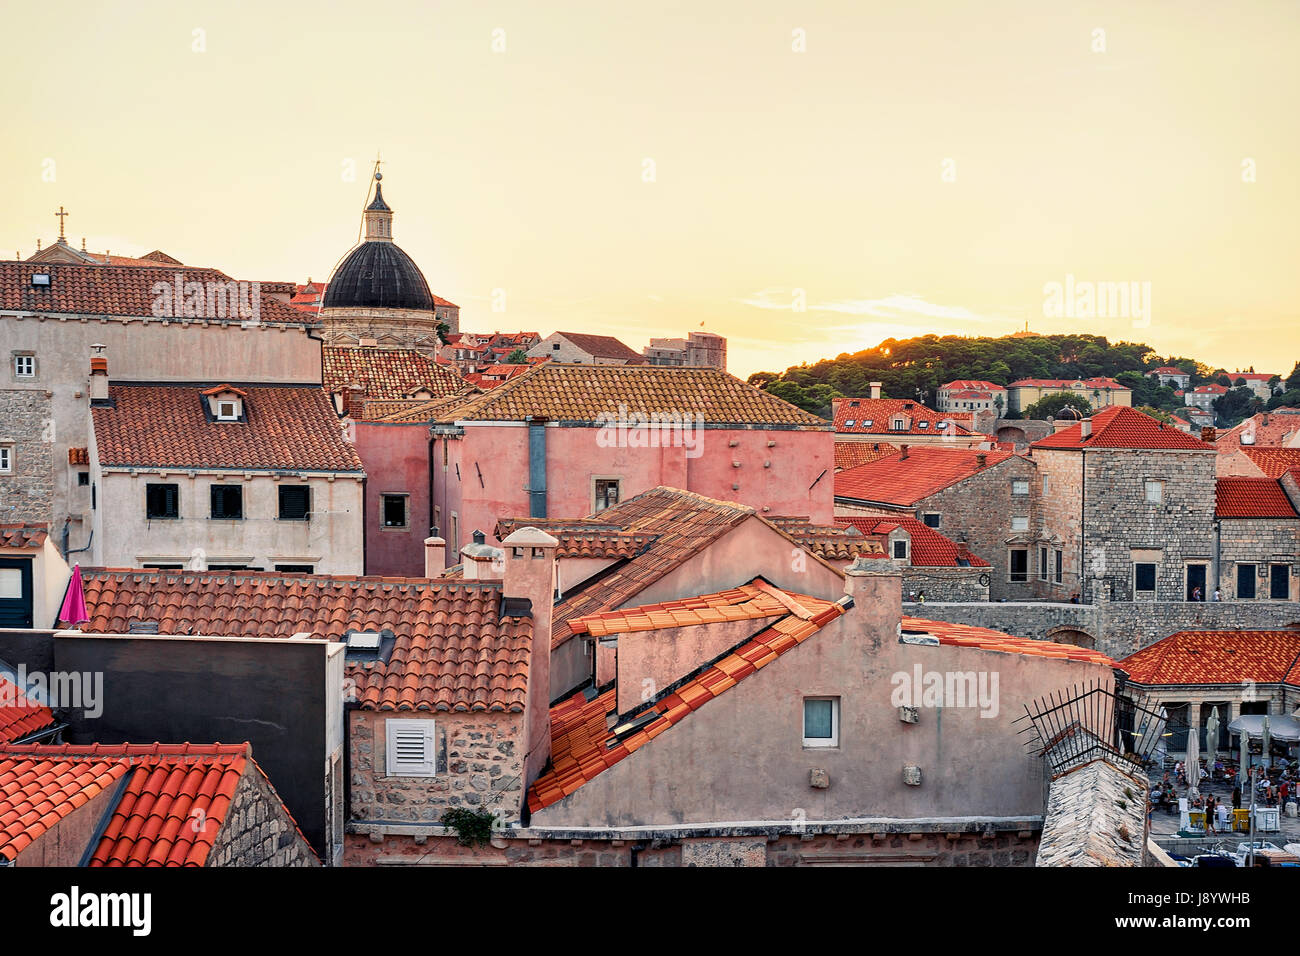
(966, 635)
(603, 346)
(904, 481)
(19, 716)
(1119, 426)
(1251, 498)
(1068, 383)
(873, 416)
(850, 454)
(453, 650)
(1273, 462)
(748, 602)
(930, 549)
(590, 393)
(26, 536)
(1218, 657)
(287, 428)
(117, 290)
(37, 791)
(385, 373)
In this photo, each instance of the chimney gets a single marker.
(902, 451)
(981, 460)
(876, 588)
(875, 389)
(1085, 428)
(529, 591)
(1207, 433)
(1263, 419)
(98, 379)
(481, 561)
(435, 555)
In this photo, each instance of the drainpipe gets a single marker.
(66, 523)
(1084, 595)
(536, 467)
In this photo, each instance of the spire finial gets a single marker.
(62, 215)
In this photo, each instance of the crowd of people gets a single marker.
(1274, 786)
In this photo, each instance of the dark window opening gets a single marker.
(1279, 581)
(394, 511)
(227, 502)
(295, 502)
(931, 520)
(606, 493)
(1144, 577)
(83, 478)
(1059, 567)
(295, 568)
(900, 549)
(1020, 564)
(1245, 582)
(162, 501)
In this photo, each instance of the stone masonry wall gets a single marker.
(1119, 519)
(979, 511)
(887, 846)
(258, 830)
(26, 422)
(1260, 541)
(479, 764)
(946, 584)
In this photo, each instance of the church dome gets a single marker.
(378, 275)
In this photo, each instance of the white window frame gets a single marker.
(1019, 483)
(27, 359)
(6, 459)
(822, 742)
(222, 405)
(1159, 487)
(397, 730)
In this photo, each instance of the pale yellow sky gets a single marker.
(918, 167)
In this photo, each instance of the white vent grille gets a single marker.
(411, 748)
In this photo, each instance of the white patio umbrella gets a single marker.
(1212, 736)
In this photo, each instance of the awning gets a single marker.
(1280, 727)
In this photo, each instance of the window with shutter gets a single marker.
(411, 748)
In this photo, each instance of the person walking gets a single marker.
(1209, 816)
(1236, 797)
(1196, 594)
(1218, 595)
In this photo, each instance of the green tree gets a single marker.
(1236, 405)
(517, 357)
(1050, 406)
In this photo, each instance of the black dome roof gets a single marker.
(378, 275)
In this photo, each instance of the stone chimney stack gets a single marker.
(902, 451)
(435, 555)
(1085, 428)
(875, 389)
(981, 460)
(529, 591)
(98, 379)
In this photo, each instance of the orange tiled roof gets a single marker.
(28, 535)
(385, 373)
(834, 543)
(1218, 657)
(758, 599)
(590, 393)
(407, 411)
(1268, 430)
(1251, 498)
(1119, 426)
(78, 456)
(19, 717)
(850, 454)
(287, 428)
(930, 548)
(38, 790)
(173, 807)
(1274, 462)
(872, 416)
(453, 650)
(966, 635)
(581, 541)
(904, 481)
(76, 289)
(583, 745)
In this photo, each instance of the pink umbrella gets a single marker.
(74, 602)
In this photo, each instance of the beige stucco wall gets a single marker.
(741, 757)
(331, 541)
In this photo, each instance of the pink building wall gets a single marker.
(397, 462)
(776, 478)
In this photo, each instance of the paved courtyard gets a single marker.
(1164, 827)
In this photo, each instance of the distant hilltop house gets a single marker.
(1099, 392)
(877, 419)
(1172, 376)
(1257, 382)
(1204, 397)
(971, 395)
